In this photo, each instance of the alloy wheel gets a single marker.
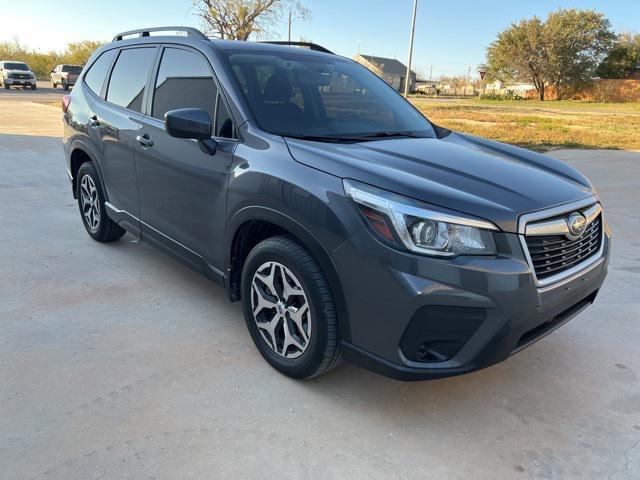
(281, 309)
(90, 202)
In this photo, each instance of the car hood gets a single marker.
(487, 179)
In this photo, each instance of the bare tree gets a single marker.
(238, 19)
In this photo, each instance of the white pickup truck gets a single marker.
(16, 74)
(65, 75)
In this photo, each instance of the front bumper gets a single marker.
(487, 308)
(20, 81)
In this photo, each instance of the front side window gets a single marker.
(129, 77)
(301, 95)
(184, 81)
(98, 71)
(224, 124)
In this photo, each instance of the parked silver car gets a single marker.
(65, 75)
(16, 74)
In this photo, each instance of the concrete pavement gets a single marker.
(116, 362)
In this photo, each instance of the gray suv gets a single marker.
(347, 224)
(16, 74)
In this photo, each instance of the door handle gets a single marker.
(144, 140)
(94, 121)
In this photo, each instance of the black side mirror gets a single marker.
(192, 123)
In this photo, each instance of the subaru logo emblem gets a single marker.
(576, 223)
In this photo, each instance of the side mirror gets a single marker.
(188, 123)
(192, 123)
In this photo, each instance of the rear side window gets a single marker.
(98, 71)
(184, 81)
(129, 77)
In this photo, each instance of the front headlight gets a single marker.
(404, 222)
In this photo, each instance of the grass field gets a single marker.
(540, 125)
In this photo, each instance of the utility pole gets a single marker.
(289, 25)
(407, 79)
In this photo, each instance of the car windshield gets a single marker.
(16, 66)
(322, 97)
(72, 69)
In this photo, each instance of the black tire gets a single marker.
(65, 85)
(33, 87)
(7, 86)
(106, 229)
(323, 351)
(54, 84)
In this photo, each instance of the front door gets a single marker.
(182, 189)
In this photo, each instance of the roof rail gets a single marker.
(309, 45)
(144, 32)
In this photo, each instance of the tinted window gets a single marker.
(74, 69)
(129, 77)
(16, 66)
(224, 125)
(98, 71)
(297, 94)
(184, 81)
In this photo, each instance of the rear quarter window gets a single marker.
(98, 71)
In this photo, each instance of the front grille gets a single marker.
(19, 75)
(553, 254)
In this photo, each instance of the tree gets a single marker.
(79, 52)
(563, 51)
(623, 59)
(519, 54)
(238, 19)
(40, 62)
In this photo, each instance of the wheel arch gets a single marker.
(250, 226)
(80, 153)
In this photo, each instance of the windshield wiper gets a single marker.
(355, 138)
(321, 138)
(390, 134)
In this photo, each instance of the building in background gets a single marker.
(519, 89)
(390, 70)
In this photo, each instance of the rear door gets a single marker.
(183, 189)
(116, 121)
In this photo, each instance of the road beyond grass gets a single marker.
(540, 125)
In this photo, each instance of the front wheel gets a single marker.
(289, 309)
(54, 84)
(92, 208)
(33, 87)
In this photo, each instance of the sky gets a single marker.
(450, 36)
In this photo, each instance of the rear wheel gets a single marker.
(7, 86)
(65, 85)
(92, 208)
(289, 309)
